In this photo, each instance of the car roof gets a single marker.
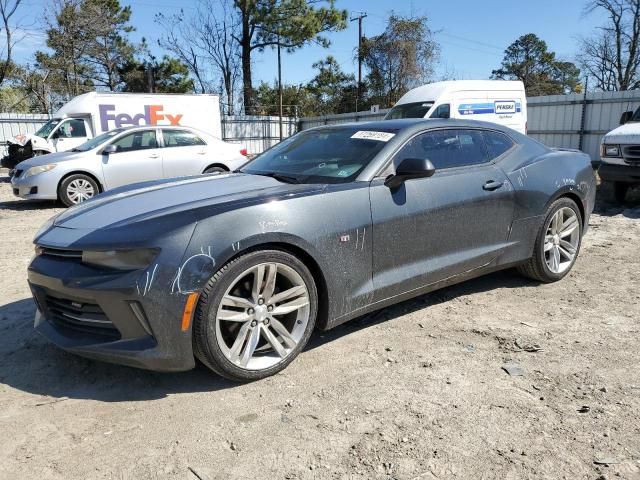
(165, 127)
(418, 124)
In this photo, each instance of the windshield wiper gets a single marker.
(280, 177)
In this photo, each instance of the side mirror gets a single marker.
(410, 168)
(625, 117)
(109, 149)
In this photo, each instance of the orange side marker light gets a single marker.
(188, 311)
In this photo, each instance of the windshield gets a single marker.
(97, 141)
(409, 110)
(636, 116)
(47, 128)
(329, 155)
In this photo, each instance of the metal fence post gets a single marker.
(583, 115)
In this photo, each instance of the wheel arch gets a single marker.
(215, 165)
(572, 195)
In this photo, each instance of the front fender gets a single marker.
(332, 237)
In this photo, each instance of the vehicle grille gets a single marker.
(631, 153)
(80, 316)
(58, 252)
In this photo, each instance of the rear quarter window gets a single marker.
(497, 143)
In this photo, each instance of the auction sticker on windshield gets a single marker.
(369, 135)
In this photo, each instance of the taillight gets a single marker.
(244, 152)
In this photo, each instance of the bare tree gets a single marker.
(205, 43)
(612, 57)
(179, 40)
(7, 10)
(214, 38)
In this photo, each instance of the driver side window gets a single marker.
(441, 111)
(448, 148)
(74, 128)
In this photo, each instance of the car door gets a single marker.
(433, 228)
(137, 159)
(69, 134)
(184, 153)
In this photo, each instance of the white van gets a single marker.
(91, 114)
(497, 101)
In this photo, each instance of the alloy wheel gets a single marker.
(80, 190)
(561, 240)
(263, 316)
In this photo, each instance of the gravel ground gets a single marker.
(416, 391)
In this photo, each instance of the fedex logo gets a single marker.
(152, 115)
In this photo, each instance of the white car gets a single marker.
(121, 157)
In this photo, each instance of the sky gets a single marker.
(472, 34)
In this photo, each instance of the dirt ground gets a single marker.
(416, 391)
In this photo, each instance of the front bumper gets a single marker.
(121, 317)
(36, 187)
(610, 172)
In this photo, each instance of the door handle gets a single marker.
(154, 155)
(492, 185)
(202, 152)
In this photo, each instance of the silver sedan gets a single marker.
(120, 157)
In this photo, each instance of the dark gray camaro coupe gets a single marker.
(334, 222)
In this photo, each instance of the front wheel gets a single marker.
(255, 315)
(557, 244)
(76, 189)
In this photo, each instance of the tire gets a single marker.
(620, 191)
(215, 170)
(540, 266)
(215, 338)
(84, 187)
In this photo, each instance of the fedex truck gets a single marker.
(91, 114)
(497, 101)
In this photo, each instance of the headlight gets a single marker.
(120, 259)
(611, 150)
(40, 169)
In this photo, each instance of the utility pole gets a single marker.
(359, 19)
(279, 88)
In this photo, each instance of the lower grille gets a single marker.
(80, 316)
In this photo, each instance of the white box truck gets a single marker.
(498, 101)
(91, 114)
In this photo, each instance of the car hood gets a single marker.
(627, 133)
(55, 157)
(189, 195)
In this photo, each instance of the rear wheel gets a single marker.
(620, 190)
(215, 170)
(76, 189)
(557, 244)
(255, 315)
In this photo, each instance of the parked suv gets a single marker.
(121, 157)
(620, 155)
